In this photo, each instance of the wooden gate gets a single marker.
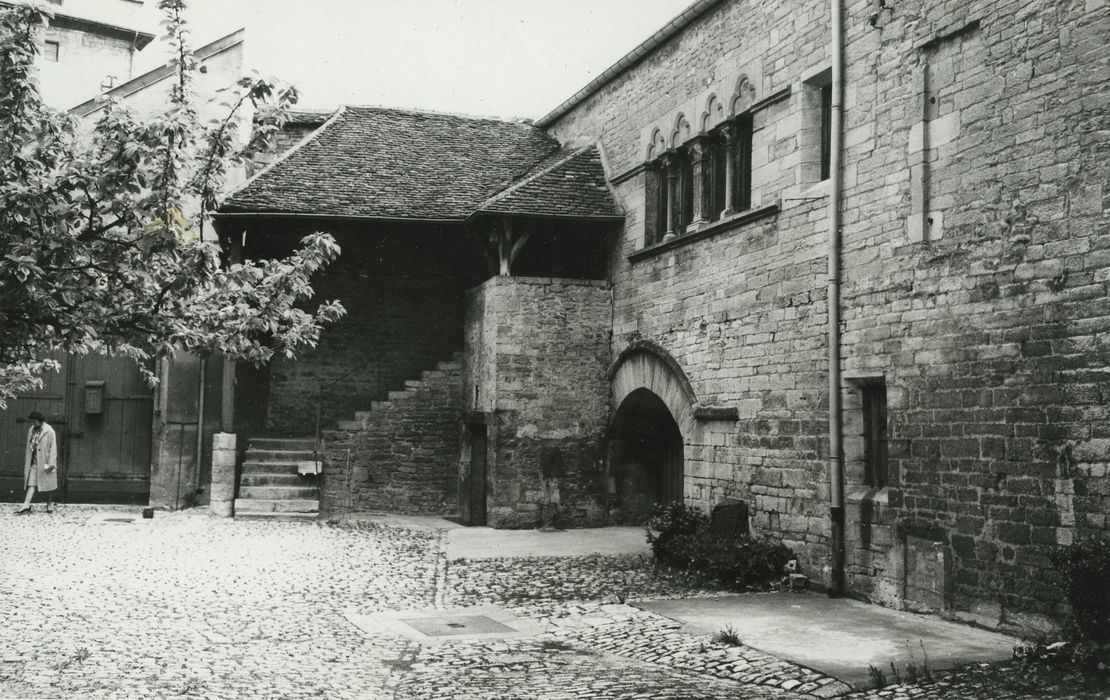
(102, 411)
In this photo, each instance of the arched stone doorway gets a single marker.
(654, 419)
(645, 454)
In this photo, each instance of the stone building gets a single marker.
(846, 265)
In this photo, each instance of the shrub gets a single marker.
(1085, 569)
(685, 542)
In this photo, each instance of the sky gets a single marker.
(500, 58)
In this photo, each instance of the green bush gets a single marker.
(1085, 570)
(685, 542)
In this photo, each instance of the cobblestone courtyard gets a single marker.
(187, 605)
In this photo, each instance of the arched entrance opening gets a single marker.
(645, 454)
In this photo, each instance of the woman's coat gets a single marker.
(47, 456)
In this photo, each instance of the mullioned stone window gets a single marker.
(695, 180)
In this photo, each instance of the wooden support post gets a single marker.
(509, 244)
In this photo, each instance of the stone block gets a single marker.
(224, 441)
(223, 509)
(222, 492)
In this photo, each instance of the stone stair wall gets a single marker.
(401, 456)
(270, 484)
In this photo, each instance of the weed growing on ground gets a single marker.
(728, 637)
(876, 678)
(915, 672)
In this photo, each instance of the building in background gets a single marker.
(121, 440)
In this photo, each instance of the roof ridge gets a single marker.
(285, 156)
(439, 113)
(501, 194)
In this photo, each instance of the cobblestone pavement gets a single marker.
(187, 605)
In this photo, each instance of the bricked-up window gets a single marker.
(52, 51)
(875, 469)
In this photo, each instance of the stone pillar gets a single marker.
(701, 192)
(223, 474)
(729, 131)
(670, 167)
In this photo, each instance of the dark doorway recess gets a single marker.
(645, 454)
(476, 484)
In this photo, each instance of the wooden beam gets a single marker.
(505, 245)
(518, 244)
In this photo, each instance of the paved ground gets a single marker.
(187, 605)
(837, 636)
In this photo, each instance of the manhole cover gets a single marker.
(451, 626)
(458, 625)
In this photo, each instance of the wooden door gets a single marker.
(102, 411)
(50, 401)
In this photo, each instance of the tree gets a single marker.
(102, 234)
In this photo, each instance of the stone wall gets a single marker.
(536, 355)
(403, 288)
(974, 284)
(401, 456)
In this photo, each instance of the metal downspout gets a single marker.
(201, 392)
(836, 462)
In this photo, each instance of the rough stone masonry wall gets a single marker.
(974, 285)
(976, 270)
(742, 311)
(403, 291)
(401, 456)
(537, 350)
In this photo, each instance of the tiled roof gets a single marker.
(569, 184)
(372, 162)
(308, 117)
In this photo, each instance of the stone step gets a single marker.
(430, 375)
(266, 443)
(378, 405)
(395, 395)
(279, 493)
(268, 468)
(363, 416)
(414, 384)
(349, 425)
(278, 517)
(271, 505)
(268, 479)
(254, 455)
(449, 366)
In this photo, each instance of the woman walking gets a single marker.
(40, 469)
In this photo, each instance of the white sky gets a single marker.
(505, 58)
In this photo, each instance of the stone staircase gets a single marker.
(401, 455)
(271, 485)
(432, 382)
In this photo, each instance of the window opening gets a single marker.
(875, 469)
(52, 50)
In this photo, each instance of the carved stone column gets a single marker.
(697, 151)
(728, 129)
(670, 167)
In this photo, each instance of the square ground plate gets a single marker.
(438, 626)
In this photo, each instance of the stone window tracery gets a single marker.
(704, 180)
